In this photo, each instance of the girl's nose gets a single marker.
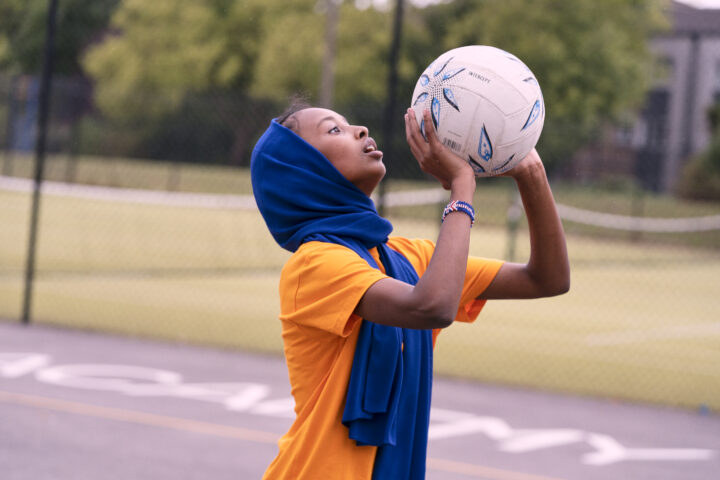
(361, 132)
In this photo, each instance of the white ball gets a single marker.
(486, 105)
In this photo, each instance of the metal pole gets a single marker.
(390, 106)
(327, 82)
(7, 169)
(513, 216)
(45, 86)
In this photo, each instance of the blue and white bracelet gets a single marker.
(460, 206)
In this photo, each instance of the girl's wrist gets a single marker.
(463, 187)
(459, 206)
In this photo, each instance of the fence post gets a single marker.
(637, 208)
(390, 105)
(45, 85)
(7, 169)
(514, 212)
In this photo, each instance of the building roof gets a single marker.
(688, 19)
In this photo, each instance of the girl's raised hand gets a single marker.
(529, 163)
(432, 156)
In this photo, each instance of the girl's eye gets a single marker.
(334, 130)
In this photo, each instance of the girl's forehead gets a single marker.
(311, 117)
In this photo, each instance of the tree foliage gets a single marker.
(22, 33)
(271, 49)
(295, 44)
(159, 51)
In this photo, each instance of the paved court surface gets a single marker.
(78, 405)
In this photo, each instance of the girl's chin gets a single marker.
(368, 187)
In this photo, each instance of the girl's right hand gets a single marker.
(433, 157)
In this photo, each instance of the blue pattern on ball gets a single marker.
(452, 73)
(475, 165)
(435, 110)
(443, 67)
(485, 148)
(534, 114)
(448, 94)
(421, 98)
(422, 129)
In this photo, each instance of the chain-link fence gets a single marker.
(147, 227)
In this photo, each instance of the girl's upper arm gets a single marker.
(395, 303)
(512, 281)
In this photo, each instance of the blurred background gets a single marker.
(126, 204)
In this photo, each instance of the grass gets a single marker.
(639, 323)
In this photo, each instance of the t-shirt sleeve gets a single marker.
(478, 276)
(321, 285)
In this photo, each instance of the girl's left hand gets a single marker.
(432, 156)
(530, 162)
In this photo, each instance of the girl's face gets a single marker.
(347, 147)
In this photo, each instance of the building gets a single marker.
(675, 117)
(673, 125)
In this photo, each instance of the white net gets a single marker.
(430, 196)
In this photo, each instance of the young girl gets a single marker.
(360, 311)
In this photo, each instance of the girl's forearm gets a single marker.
(440, 287)
(434, 300)
(548, 264)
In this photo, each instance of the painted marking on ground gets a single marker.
(140, 418)
(237, 433)
(253, 398)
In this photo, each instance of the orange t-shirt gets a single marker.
(320, 287)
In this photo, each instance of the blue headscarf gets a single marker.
(303, 198)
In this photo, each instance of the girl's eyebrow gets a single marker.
(331, 117)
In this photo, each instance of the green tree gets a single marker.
(22, 33)
(290, 57)
(701, 177)
(591, 58)
(159, 51)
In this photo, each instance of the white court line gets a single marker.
(647, 335)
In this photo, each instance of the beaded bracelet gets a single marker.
(460, 206)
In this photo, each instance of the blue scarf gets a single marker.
(303, 198)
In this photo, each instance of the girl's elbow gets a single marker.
(443, 321)
(435, 316)
(559, 287)
(562, 288)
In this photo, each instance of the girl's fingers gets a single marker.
(409, 130)
(411, 140)
(412, 133)
(430, 133)
(413, 127)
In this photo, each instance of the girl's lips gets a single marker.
(370, 148)
(376, 154)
